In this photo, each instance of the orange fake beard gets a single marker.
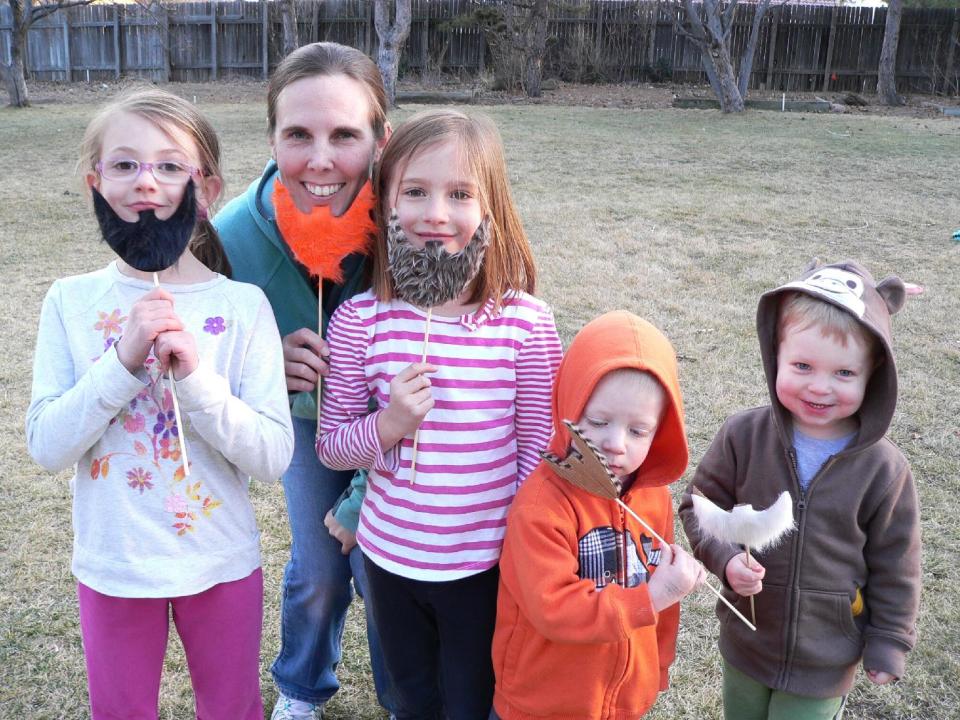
(318, 240)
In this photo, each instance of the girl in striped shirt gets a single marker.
(479, 404)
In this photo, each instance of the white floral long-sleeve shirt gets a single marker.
(142, 527)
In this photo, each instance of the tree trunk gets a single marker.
(24, 14)
(288, 17)
(887, 72)
(14, 74)
(729, 95)
(391, 36)
(535, 41)
(746, 62)
(713, 40)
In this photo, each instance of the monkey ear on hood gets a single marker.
(893, 292)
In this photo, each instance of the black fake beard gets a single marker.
(431, 276)
(149, 244)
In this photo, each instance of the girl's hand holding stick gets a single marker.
(181, 430)
(151, 317)
(410, 401)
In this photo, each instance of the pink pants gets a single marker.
(125, 639)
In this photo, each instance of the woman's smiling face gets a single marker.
(323, 142)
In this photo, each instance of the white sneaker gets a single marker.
(290, 709)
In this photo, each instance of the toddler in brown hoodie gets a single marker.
(845, 585)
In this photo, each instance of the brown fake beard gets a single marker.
(431, 276)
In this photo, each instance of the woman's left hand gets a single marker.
(305, 356)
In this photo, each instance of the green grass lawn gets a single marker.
(682, 216)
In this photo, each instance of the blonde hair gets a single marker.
(508, 261)
(804, 311)
(327, 59)
(646, 380)
(166, 111)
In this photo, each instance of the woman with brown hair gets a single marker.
(326, 113)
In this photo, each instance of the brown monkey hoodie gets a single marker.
(846, 584)
(577, 637)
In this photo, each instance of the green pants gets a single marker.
(746, 699)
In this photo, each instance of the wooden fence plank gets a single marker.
(834, 12)
(953, 39)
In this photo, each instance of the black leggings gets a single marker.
(436, 639)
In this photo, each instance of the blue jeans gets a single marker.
(316, 583)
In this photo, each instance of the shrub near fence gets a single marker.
(801, 47)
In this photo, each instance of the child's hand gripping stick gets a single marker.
(757, 529)
(181, 430)
(586, 467)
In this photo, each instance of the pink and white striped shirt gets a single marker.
(490, 419)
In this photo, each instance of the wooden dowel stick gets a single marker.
(708, 585)
(416, 435)
(753, 610)
(320, 333)
(181, 431)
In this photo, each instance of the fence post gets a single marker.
(165, 37)
(833, 32)
(265, 38)
(369, 28)
(772, 45)
(953, 40)
(65, 23)
(213, 40)
(424, 42)
(315, 24)
(598, 31)
(116, 41)
(652, 39)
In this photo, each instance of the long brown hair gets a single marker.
(508, 261)
(166, 111)
(327, 58)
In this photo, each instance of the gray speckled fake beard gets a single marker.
(431, 276)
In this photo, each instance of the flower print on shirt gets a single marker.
(149, 421)
(215, 325)
(140, 479)
(110, 324)
(189, 507)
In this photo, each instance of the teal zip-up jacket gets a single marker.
(258, 255)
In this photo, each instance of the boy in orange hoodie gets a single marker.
(588, 611)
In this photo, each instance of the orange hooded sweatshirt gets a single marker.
(574, 642)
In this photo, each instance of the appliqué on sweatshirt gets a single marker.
(608, 556)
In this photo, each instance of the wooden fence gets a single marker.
(801, 47)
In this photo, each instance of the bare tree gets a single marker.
(392, 35)
(527, 24)
(516, 33)
(887, 71)
(288, 16)
(710, 30)
(26, 13)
